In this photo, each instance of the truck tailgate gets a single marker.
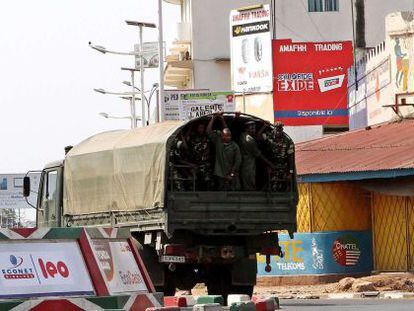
(244, 213)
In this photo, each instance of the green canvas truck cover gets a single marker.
(121, 170)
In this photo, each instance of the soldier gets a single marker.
(227, 158)
(250, 152)
(199, 154)
(281, 151)
(179, 167)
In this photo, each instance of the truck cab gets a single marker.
(50, 196)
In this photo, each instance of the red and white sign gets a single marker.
(309, 82)
(117, 263)
(43, 269)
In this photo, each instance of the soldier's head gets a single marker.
(278, 130)
(201, 128)
(250, 128)
(226, 135)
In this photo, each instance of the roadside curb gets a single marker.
(397, 295)
(377, 295)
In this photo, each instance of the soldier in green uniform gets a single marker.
(180, 169)
(250, 152)
(227, 156)
(199, 153)
(281, 152)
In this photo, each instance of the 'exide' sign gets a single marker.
(43, 269)
(309, 82)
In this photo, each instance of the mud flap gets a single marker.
(243, 272)
(156, 270)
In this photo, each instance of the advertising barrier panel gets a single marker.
(342, 252)
(251, 50)
(310, 82)
(118, 265)
(43, 269)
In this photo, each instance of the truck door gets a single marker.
(50, 206)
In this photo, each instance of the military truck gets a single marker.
(122, 179)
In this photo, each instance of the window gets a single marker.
(323, 5)
(331, 5)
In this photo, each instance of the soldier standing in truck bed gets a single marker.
(227, 157)
(250, 152)
(281, 152)
(199, 154)
(180, 169)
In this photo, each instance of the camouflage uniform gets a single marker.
(175, 155)
(279, 150)
(199, 149)
(249, 152)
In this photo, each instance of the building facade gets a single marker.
(200, 57)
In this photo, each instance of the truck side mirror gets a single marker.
(26, 186)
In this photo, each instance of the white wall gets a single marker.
(375, 12)
(304, 133)
(294, 21)
(211, 74)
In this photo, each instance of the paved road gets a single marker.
(347, 304)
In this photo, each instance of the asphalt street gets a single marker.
(347, 304)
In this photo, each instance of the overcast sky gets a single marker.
(47, 72)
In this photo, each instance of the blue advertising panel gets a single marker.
(340, 252)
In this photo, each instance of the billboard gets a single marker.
(310, 82)
(189, 104)
(251, 50)
(150, 55)
(11, 190)
(43, 269)
(340, 252)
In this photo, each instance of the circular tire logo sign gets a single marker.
(346, 251)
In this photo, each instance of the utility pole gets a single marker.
(141, 68)
(161, 62)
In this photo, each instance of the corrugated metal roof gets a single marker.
(387, 146)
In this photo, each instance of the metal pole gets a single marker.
(244, 102)
(141, 65)
(133, 107)
(161, 55)
(158, 107)
(353, 43)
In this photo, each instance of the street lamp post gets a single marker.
(148, 99)
(107, 116)
(141, 51)
(133, 106)
(131, 97)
